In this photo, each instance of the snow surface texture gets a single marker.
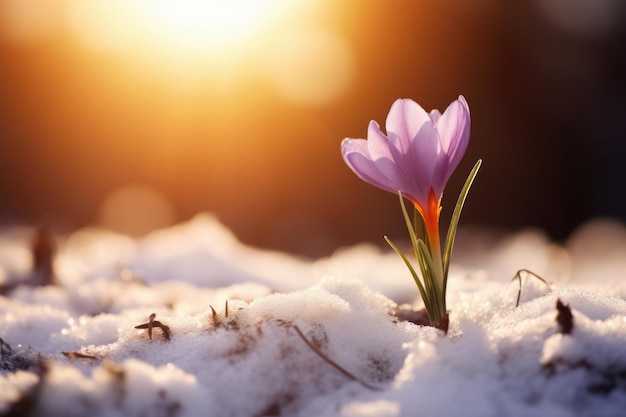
(73, 349)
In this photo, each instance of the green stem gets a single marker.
(434, 246)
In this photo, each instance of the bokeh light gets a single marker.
(136, 210)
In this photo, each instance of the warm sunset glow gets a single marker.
(212, 23)
(311, 67)
(104, 25)
(179, 24)
(27, 20)
(184, 44)
(187, 43)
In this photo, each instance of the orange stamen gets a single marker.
(430, 214)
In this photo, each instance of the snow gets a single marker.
(73, 349)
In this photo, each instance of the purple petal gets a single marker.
(434, 116)
(416, 149)
(404, 121)
(378, 146)
(377, 142)
(454, 132)
(424, 157)
(356, 155)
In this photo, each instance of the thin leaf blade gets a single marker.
(456, 215)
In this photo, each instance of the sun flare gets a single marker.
(212, 23)
(221, 43)
(186, 24)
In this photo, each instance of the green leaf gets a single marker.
(425, 261)
(419, 226)
(420, 287)
(409, 224)
(456, 215)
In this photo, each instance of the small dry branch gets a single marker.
(330, 361)
(152, 323)
(518, 276)
(78, 355)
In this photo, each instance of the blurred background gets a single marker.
(138, 114)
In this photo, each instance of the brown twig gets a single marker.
(330, 361)
(518, 276)
(78, 355)
(155, 323)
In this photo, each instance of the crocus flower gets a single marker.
(417, 155)
(415, 159)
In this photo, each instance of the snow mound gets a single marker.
(188, 322)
